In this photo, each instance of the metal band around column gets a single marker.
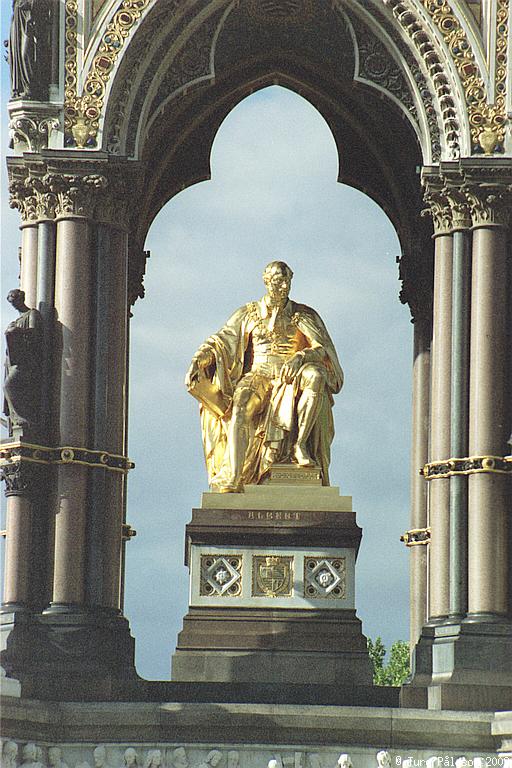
(11, 453)
(415, 537)
(434, 470)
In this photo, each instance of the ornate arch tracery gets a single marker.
(426, 25)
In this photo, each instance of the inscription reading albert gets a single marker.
(255, 514)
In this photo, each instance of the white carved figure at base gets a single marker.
(213, 759)
(153, 759)
(55, 758)
(100, 757)
(130, 759)
(9, 754)
(31, 757)
(344, 761)
(233, 760)
(383, 759)
(179, 758)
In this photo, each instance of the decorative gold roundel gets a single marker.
(280, 10)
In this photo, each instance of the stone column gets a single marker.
(419, 487)
(73, 317)
(42, 551)
(28, 270)
(489, 491)
(104, 542)
(439, 496)
(461, 286)
(16, 596)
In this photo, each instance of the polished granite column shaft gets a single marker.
(44, 501)
(489, 493)
(461, 294)
(106, 508)
(73, 307)
(28, 267)
(419, 488)
(16, 595)
(439, 501)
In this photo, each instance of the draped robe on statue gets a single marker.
(249, 351)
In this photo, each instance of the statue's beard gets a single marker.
(277, 301)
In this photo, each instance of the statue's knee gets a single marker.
(243, 404)
(313, 378)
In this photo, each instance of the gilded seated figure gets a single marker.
(265, 382)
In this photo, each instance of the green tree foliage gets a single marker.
(398, 666)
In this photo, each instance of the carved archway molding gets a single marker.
(438, 35)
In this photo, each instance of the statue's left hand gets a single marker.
(291, 368)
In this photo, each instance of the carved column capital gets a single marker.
(490, 204)
(21, 479)
(76, 194)
(438, 206)
(460, 209)
(40, 191)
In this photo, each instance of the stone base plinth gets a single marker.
(72, 654)
(466, 666)
(302, 735)
(272, 590)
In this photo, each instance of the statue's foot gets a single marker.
(302, 457)
(231, 488)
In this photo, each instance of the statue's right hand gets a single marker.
(202, 359)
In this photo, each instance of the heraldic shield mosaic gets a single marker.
(272, 576)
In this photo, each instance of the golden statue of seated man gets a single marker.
(265, 382)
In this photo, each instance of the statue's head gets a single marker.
(29, 753)
(54, 755)
(100, 756)
(214, 757)
(277, 277)
(130, 756)
(16, 297)
(179, 758)
(10, 750)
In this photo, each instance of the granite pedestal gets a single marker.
(272, 590)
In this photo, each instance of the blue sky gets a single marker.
(273, 195)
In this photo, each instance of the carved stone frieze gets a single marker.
(135, 754)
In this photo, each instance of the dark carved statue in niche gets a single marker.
(30, 49)
(22, 384)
